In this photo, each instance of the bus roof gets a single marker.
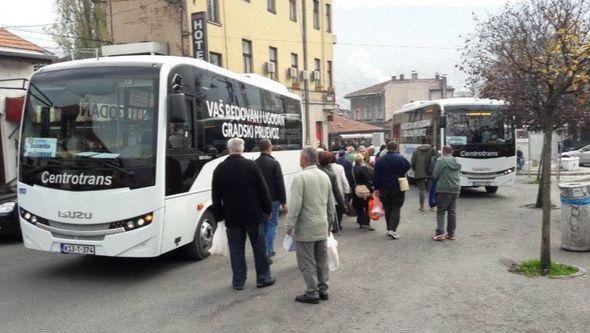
(449, 102)
(250, 78)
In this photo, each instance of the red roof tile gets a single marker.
(342, 125)
(10, 40)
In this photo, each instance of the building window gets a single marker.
(316, 14)
(271, 5)
(213, 10)
(317, 68)
(215, 59)
(330, 80)
(293, 10)
(294, 61)
(247, 55)
(273, 59)
(328, 18)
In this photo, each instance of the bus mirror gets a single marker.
(177, 110)
(442, 122)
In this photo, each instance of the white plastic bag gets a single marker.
(219, 245)
(289, 243)
(333, 259)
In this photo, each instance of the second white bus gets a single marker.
(482, 136)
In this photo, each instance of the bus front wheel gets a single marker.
(492, 189)
(199, 248)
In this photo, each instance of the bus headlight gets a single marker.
(133, 223)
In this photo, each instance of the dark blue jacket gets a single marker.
(388, 169)
(347, 170)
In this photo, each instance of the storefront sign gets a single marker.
(199, 33)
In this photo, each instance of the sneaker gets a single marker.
(267, 283)
(390, 234)
(439, 238)
(450, 237)
(306, 299)
(370, 228)
(395, 235)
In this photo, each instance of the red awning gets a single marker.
(14, 108)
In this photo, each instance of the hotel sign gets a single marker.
(199, 35)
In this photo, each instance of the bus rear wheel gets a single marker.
(492, 189)
(199, 248)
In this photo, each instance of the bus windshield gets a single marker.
(91, 122)
(478, 125)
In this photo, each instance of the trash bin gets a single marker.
(575, 216)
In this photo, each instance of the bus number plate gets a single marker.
(79, 249)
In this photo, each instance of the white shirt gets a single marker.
(341, 180)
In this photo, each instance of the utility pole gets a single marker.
(305, 79)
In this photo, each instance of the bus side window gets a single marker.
(181, 155)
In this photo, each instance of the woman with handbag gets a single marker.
(362, 192)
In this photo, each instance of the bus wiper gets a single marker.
(88, 156)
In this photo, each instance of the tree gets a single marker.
(80, 24)
(536, 56)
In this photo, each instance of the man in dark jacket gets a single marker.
(421, 165)
(347, 165)
(240, 197)
(273, 174)
(387, 171)
(448, 185)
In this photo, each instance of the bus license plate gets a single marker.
(482, 183)
(79, 249)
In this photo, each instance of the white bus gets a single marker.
(482, 136)
(117, 154)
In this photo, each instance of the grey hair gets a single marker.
(235, 145)
(447, 150)
(311, 154)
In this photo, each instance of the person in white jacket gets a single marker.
(343, 186)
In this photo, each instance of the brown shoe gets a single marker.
(450, 237)
(439, 238)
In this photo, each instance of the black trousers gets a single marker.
(392, 205)
(236, 238)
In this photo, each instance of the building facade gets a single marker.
(290, 41)
(375, 104)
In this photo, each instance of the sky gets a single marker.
(376, 38)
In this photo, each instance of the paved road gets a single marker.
(409, 285)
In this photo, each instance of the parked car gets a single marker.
(583, 154)
(9, 224)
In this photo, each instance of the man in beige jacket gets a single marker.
(311, 206)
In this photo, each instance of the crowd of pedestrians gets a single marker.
(249, 195)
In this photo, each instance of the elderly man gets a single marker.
(241, 198)
(311, 207)
(448, 185)
(273, 174)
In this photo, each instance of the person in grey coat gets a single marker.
(311, 208)
(448, 185)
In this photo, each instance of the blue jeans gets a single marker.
(236, 238)
(271, 228)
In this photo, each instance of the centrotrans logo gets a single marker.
(66, 178)
(479, 154)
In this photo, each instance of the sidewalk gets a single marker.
(582, 174)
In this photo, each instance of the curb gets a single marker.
(581, 272)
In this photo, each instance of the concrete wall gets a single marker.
(148, 21)
(399, 93)
(11, 69)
